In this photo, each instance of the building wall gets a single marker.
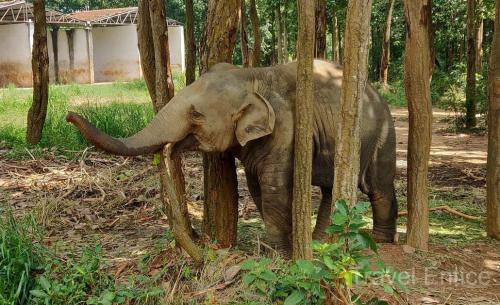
(116, 55)
(176, 47)
(15, 54)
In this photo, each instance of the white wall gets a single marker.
(176, 47)
(116, 55)
(15, 55)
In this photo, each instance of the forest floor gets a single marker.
(97, 199)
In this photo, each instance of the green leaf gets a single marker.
(268, 276)
(295, 298)
(156, 159)
(329, 262)
(367, 241)
(248, 278)
(107, 297)
(248, 264)
(39, 293)
(347, 276)
(388, 288)
(341, 207)
(339, 219)
(305, 266)
(44, 283)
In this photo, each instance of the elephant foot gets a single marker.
(277, 246)
(383, 235)
(320, 235)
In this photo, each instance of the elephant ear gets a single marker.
(254, 120)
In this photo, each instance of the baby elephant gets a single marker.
(249, 112)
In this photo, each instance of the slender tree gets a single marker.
(245, 53)
(320, 31)
(470, 90)
(386, 44)
(418, 65)
(335, 35)
(284, 27)
(153, 46)
(354, 79)
(257, 39)
(190, 43)
(40, 68)
(493, 167)
(302, 235)
(279, 32)
(221, 187)
(479, 35)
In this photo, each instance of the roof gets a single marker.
(113, 16)
(18, 11)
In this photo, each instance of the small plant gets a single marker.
(336, 270)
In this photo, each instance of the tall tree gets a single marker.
(303, 129)
(245, 53)
(221, 187)
(347, 148)
(153, 46)
(279, 32)
(190, 43)
(40, 68)
(257, 40)
(386, 45)
(284, 27)
(470, 90)
(479, 35)
(418, 65)
(493, 167)
(320, 31)
(335, 35)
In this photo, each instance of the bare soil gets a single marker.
(95, 198)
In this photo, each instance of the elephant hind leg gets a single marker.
(385, 210)
(324, 211)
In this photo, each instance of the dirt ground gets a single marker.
(114, 201)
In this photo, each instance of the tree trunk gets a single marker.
(493, 167)
(347, 149)
(303, 129)
(285, 32)
(153, 45)
(386, 45)
(257, 40)
(274, 59)
(220, 217)
(479, 46)
(245, 57)
(341, 48)
(418, 67)
(320, 30)
(40, 68)
(470, 90)
(335, 35)
(279, 29)
(190, 43)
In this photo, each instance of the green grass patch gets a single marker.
(394, 94)
(120, 109)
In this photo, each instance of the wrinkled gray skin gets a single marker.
(248, 112)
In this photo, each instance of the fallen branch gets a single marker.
(446, 208)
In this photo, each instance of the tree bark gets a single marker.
(303, 129)
(153, 45)
(245, 54)
(386, 45)
(320, 30)
(418, 65)
(470, 90)
(335, 35)
(493, 166)
(274, 56)
(40, 67)
(257, 39)
(220, 217)
(279, 33)
(347, 148)
(284, 25)
(190, 43)
(479, 45)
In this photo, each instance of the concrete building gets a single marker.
(84, 47)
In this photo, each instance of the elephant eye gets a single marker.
(195, 115)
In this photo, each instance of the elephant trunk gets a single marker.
(164, 128)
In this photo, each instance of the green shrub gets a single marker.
(394, 94)
(336, 268)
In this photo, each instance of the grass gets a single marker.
(120, 109)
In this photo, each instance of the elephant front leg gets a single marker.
(324, 211)
(385, 212)
(276, 196)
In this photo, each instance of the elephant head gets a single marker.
(220, 110)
